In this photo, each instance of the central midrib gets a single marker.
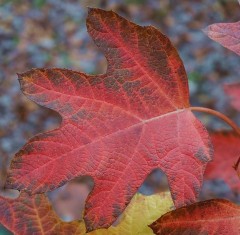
(103, 137)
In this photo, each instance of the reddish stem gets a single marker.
(235, 167)
(219, 115)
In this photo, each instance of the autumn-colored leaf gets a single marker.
(29, 215)
(233, 91)
(212, 217)
(117, 127)
(227, 34)
(36, 216)
(226, 152)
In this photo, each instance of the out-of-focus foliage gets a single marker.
(226, 153)
(227, 34)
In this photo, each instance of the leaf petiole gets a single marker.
(219, 115)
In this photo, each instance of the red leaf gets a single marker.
(233, 90)
(226, 152)
(227, 34)
(117, 127)
(216, 216)
(34, 215)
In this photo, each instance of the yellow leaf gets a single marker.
(142, 211)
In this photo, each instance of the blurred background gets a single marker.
(52, 33)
